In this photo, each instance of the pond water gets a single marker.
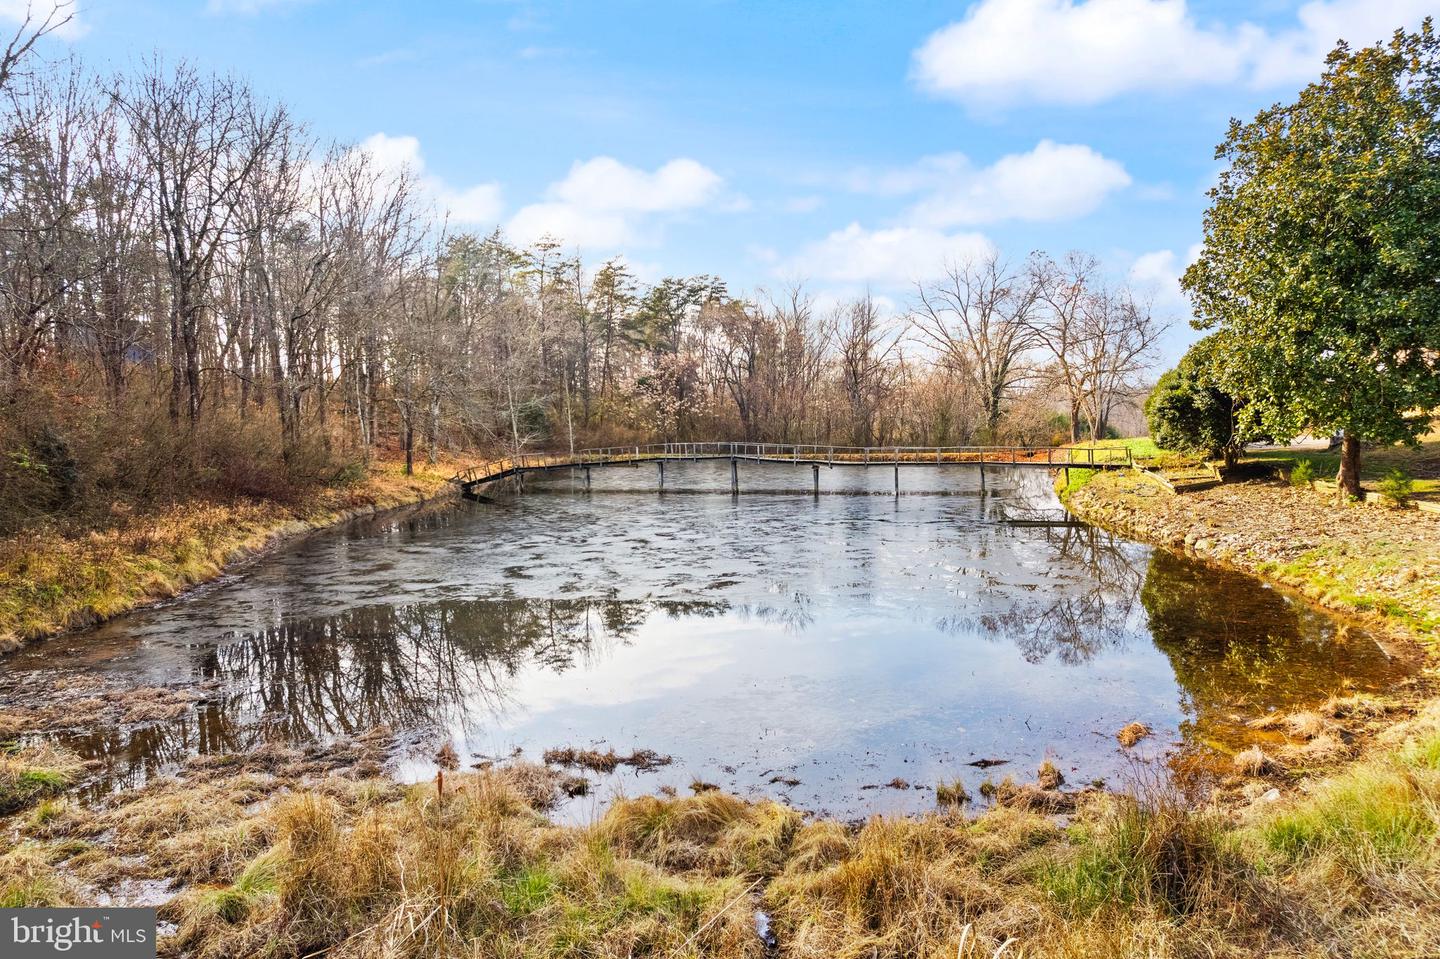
(778, 643)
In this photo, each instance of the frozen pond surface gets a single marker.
(811, 649)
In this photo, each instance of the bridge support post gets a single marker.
(587, 477)
(734, 477)
(897, 477)
(982, 474)
(661, 464)
(815, 472)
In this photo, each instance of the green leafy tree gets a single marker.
(1187, 412)
(1322, 252)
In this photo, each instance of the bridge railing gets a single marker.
(1056, 456)
(813, 452)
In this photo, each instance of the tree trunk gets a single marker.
(1347, 481)
(176, 375)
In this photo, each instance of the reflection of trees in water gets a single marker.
(1236, 645)
(408, 667)
(130, 757)
(1074, 621)
(794, 615)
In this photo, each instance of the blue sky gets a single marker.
(848, 144)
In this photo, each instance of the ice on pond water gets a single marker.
(823, 649)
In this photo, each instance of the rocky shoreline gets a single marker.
(1379, 565)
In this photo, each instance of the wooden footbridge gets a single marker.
(979, 457)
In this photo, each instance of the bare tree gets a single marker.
(42, 174)
(803, 347)
(1059, 327)
(867, 350)
(1119, 333)
(201, 137)
(32, 29)
(978, 318)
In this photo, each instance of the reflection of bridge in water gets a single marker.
(815, 456)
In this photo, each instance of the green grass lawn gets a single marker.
(1141, 447)
(1145, 453)
(1422, 462)
(1142, 450)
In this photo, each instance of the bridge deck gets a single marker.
(1041, 457)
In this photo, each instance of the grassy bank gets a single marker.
(54, 577)
(288, 854)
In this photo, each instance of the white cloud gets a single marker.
(888, 257)
(1297, 55)
(478, 205)
(605, 183)
(1086, 51)
(1063, 51)
(1155, 268)
(1054, 181)
(573, 225)
(1157, 274)
(36, 11)
(602, 202)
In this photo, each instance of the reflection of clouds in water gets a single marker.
(665, 657)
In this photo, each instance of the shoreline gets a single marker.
(1381, 572)
(301, 849)
(58, 582)
(240, 851)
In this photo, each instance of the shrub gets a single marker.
(1187, 413)
(351, 474)
(1397, 487)
(1302, 474)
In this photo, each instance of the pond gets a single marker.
(818, 649)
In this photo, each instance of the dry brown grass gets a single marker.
(52, 578)
(30, 774)
(475, 872)
(604, 762)
(1132, 733)
(1254, 762)
(287, 855)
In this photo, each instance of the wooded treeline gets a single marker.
(198, 290)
